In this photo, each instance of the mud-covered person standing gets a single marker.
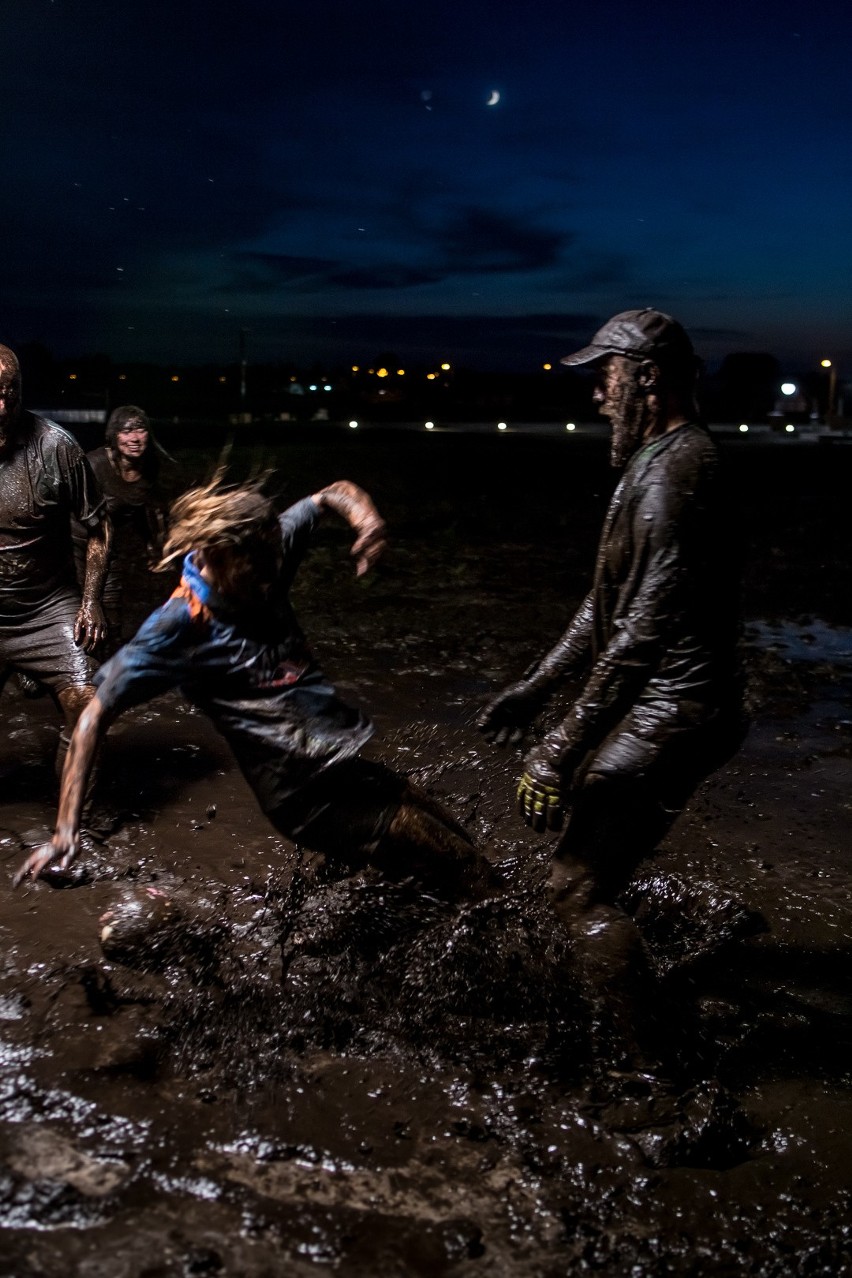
(127, 468)
(47, 630)
(656, 645)
(230, 640)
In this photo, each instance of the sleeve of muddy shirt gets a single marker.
(158, 658)
(571, 652)
(85, 497)
(297, 525)
(650, 603)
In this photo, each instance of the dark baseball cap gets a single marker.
(644, 334)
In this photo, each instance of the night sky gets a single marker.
(478, 181)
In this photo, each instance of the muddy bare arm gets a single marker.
(356, 507)
(90, 627)
(82, 752)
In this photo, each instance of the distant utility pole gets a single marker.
(243, 364)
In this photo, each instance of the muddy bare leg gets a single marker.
(423, 839)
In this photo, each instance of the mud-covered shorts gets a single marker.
(344, 811)
(43, 645)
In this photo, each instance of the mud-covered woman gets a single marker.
(127, 468)
(229, 639)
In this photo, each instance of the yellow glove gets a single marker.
(540, 802)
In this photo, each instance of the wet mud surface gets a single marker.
(263, 1069)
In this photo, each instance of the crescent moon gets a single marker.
(494, 99)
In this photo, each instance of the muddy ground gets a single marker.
(348, 1077)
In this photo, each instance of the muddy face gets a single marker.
(619, 397)
(131, 441)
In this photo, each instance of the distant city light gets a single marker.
(353, 425)
(570, 426)
(789, 428)
(446, 367)
(72, 377)
(122, 377)
(355, 368)
(224, 379)
(547, 367)
(326, 386)
(381, 372)
(430, 377)
(788, 388)
(292, 379)
(743, 428)
(175, 377)
(502, 426)
(430, 425)
(313, 387)
(825, 363)
(400, 372)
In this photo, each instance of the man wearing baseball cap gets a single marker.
(654, 642)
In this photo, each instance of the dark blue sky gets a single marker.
(332, 177)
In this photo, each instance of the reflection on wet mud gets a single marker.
(219, 1058)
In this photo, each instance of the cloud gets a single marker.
(478, 240)
(262, 273)
(464, 242)
(394, 275)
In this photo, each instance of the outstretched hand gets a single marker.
(57, 854)
(369, 547)
(506, 716)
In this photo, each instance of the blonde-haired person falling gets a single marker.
(229, 639)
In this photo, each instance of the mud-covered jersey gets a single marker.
(136, 509)
(659, 629)
(268, 697)
(45, 481)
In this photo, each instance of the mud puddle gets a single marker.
(293, 1073)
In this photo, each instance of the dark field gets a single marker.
(350, 1078)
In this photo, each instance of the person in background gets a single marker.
(48, 625)
(127, 469)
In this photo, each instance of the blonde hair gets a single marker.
(218, 515)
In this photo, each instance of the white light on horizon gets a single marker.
(353, 425)
(789, 428)
(502, 426)
(430, 425)
(570, 426)
(788, 388)
(743, 428)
